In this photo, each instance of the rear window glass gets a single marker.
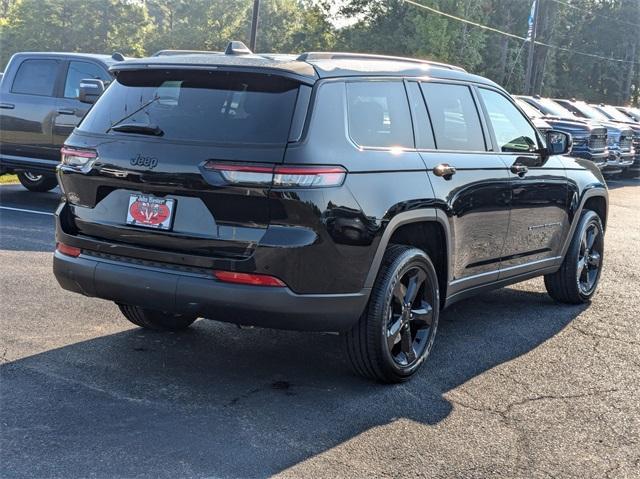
(379, 114)
(36, 77)
(454, 117)
(208, 106)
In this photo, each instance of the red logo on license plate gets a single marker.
(149, 213)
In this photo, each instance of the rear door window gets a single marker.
(379, 115)
(199, 105)
(80, 71)
(36, 77)
(454, 117)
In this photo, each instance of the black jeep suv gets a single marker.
(327, 191)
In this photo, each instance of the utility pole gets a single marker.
(254, 25)
(528, 80)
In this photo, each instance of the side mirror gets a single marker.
(558, 142)
(90, 90)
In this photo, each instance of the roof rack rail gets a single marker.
(307, 56)
(166, 53)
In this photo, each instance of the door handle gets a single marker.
(444, 170)
(66, 111)
(519, 170)
(7, 106)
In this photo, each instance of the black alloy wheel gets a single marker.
(577, 278)
(395, 334)
(589, 258)
(410, 317)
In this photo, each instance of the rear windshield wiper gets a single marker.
(126, 117)
(139, 128)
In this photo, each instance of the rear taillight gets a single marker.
(77, 158)
(248, 279)
(68, 250)
(279, 176)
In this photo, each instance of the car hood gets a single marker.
(573, 126)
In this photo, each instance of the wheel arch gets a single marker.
(426, 229)
(596, 199)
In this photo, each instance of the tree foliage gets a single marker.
(606, 28)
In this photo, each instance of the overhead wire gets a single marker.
(517, 37)
(575, 7)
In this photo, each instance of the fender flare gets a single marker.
(423, 215)
(590, 192)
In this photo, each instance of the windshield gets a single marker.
(614, 114)
(198, 105)
(554, 108)
(589, 111)
(529, 110)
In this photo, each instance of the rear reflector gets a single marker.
(246, 278)
(68, 250)
(279, 176)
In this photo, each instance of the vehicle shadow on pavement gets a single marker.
(224, 402)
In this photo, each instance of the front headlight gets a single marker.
(580, 140)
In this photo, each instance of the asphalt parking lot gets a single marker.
(517, 386)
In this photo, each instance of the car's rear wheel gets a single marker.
(38, 183)
(577, 279)
(156, 320)
(395, 334)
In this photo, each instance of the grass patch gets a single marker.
(8, 179)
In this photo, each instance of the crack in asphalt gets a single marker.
(603, 336)
(504, 413)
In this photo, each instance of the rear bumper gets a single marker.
(197, 293)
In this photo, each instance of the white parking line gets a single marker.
(26, 211)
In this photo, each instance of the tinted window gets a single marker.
(379, 114)
(79, 71)
(36, 77)
(421, 123)
(513, 132)
(211, 106)
(454, 117)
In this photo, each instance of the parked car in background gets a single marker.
(631, 112)
(589, 138)
(622, 154)
(616, 115)
(349, 193)
(41, 102)
(535, 116)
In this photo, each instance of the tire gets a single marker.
(577, 279)
(391, 342)
(37, 183)
(156, 320)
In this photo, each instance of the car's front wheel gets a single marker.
(38, 183)
(394, 336)
(156, 320)
(577, 279)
